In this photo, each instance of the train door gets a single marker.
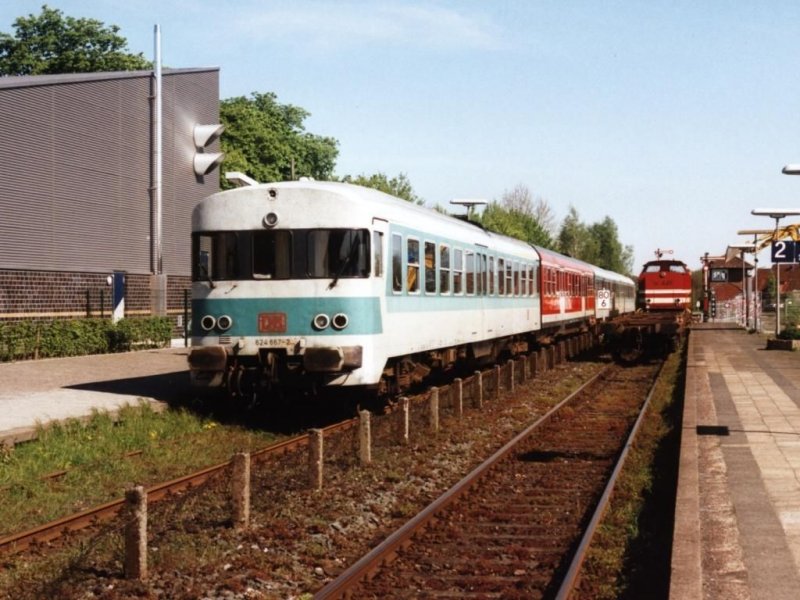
(380, 252)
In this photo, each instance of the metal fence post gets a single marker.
(185, 318)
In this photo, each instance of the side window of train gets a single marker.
(377, 253)
(458, 271)
(412, 269)
(523, 278)
(501, 277)
(509, 279)
(470, 260)
(491, 276)
(430, 267)
(515, 269)
(397, 262)
(479, 274)
(444, 269)
(484, 276)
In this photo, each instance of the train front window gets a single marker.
(272, 254)
(219, 256)
(338, 253)
(281, 254)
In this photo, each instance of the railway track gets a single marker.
(518, 525)
(49, 532)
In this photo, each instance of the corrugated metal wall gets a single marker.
(75, 170)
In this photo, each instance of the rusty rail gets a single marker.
(572, 576)
(48, 532)
(388, 549)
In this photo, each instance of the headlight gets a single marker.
(340, 321)
(321, 321)
(208, 322)
(224, 322)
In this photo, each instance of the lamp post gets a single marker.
(778, 214)
(756, 294)
(706, 307)
(742, 248)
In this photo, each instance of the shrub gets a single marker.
(790, 333)
(42, 339)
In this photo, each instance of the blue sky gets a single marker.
(673, 118)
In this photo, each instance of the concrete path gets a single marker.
(42, 391)
(737, 529)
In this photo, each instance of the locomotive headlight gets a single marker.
(208, 322)
(340, 321)
(321, 321)
(270, 219)
(224, 322)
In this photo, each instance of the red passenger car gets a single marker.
(567, 289)
(664, 284)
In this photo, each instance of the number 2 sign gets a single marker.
(784, 251)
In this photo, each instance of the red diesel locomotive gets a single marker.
(664, 284)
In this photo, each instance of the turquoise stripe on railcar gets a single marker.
(364, 315)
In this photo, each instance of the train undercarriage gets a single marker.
(215, 370)
(641, 335)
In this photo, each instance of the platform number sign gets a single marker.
(784, 251)
(604, 299)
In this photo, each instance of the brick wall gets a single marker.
(26, 295)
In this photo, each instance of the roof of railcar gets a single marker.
(562, 260)
(613, 276)
(394, 207)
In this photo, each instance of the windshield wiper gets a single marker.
(206, 276)
(350, 253)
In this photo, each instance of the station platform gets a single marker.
(43, 391)
(737, 519)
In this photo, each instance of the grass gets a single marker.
(631, 553)
(101, 458)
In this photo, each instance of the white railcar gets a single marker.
(332, 284)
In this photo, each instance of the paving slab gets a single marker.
(737, 522)
(40, 392)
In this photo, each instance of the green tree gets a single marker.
(597, 244)
(399, 186)
(518, 215)
(611, 254)
(267, 141)
(514, 223)
(520, 200)
(573, 237)
(51, 43)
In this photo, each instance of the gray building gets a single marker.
(78, 207)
